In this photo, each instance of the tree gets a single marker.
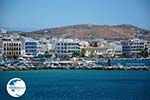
(83, 52)
(144, 53)
(93, 54)
(47, 54)
(76, 54)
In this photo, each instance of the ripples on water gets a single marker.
(80, 85)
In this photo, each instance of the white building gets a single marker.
(133, 47)
(116, 46)
(14, 36)
(1, 49)
(99, 51)
(148, 46)
(83, 43)
(3, 31)
(64, 48)
(42, 48)
(45, 44)
(95, 42)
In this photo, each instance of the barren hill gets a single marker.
(85, 31)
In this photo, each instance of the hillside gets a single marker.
(85, 31)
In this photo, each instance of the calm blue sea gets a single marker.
(80, 85)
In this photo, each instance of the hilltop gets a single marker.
(85, 31)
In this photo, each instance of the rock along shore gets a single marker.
(22, 68)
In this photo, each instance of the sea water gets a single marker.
(79, 85)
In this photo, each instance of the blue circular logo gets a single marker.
(16, 87)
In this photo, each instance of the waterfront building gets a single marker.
(64, 48)
(97, 48)
(148, 48)
(95, 42)
(133, 47)
(83, 43)
(12, 49)
(29, 46)
(41, 48)
(116, 46)
(1, 49)
(101, 51)
(46, 44)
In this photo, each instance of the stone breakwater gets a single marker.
(12, 68)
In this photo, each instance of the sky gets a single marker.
(29, 15)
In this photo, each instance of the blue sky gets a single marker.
(28, 15)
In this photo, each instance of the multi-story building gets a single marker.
(116, 46)
(83, 43)
(95, 42)
(101, 51)
(133, 47)
(64, 48)
(12, 49)
(45, 44)
(1, 49)
(97, 48)
(42, 48)
(148, 47)
(29, 46)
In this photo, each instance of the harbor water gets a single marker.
(79, 85)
